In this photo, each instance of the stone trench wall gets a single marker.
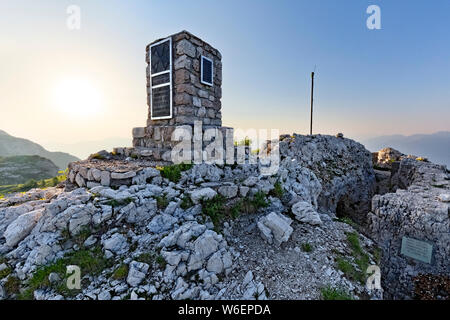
(419, 209)
(343, 167)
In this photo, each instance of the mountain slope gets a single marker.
(436, 146)
(20, 169)
(13, 146)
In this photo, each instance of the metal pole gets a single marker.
(312, 100)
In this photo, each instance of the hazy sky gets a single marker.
(368, 82)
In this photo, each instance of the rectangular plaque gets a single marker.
(417, 249)
(161, 101)
(161, 79)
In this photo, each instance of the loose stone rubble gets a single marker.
(153, 240)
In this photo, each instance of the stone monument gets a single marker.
(184, 78)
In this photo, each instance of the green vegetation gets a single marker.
(330, 293)
(218, 210)
(30, 184)
(121, 272)
(186, 203)
(117, 203)
(173, 172)
(215, 209)
(347, 221)
(152, 257)
(161, 261)
(259, 200)
(12, 285)
(346, 267)
(162, 202)
(360, 258)
(97, 156)
(236, 209)
(147, 257)
(277, 190)
(246, 142)
(81, 236)
(5, 272)
(377, 255)
(90, 261)
(306, 247)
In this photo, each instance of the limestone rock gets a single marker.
(304, 212)
(202, 194)
(161, 223)
(228, 191)
(279, 226)
(21, 227)
(117, 243)
(137, 272)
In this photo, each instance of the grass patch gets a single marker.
(186, 203)
(161, 261)
(259, 200)
(97, 156)
(12, 285)
(306, 247)
(117, 203)
(245, 142)
(147, 257)
(236, 209)
(152, 257)
(217, 209)
(5, 272)
(173, 172)
(90, 262)
(377, 255)
(330, 293)
(121, 272)
(361, 259)
(82, 235)
(277, 191)
(162, 202)
(346, 267)
(347, 221)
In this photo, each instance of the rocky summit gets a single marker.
(312, 230)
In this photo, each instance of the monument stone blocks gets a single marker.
(184, 78)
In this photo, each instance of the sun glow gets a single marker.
(76, 96)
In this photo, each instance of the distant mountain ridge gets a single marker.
(20, 169)
(13, 146)
(435, 146)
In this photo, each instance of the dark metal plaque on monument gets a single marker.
(161, 101)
